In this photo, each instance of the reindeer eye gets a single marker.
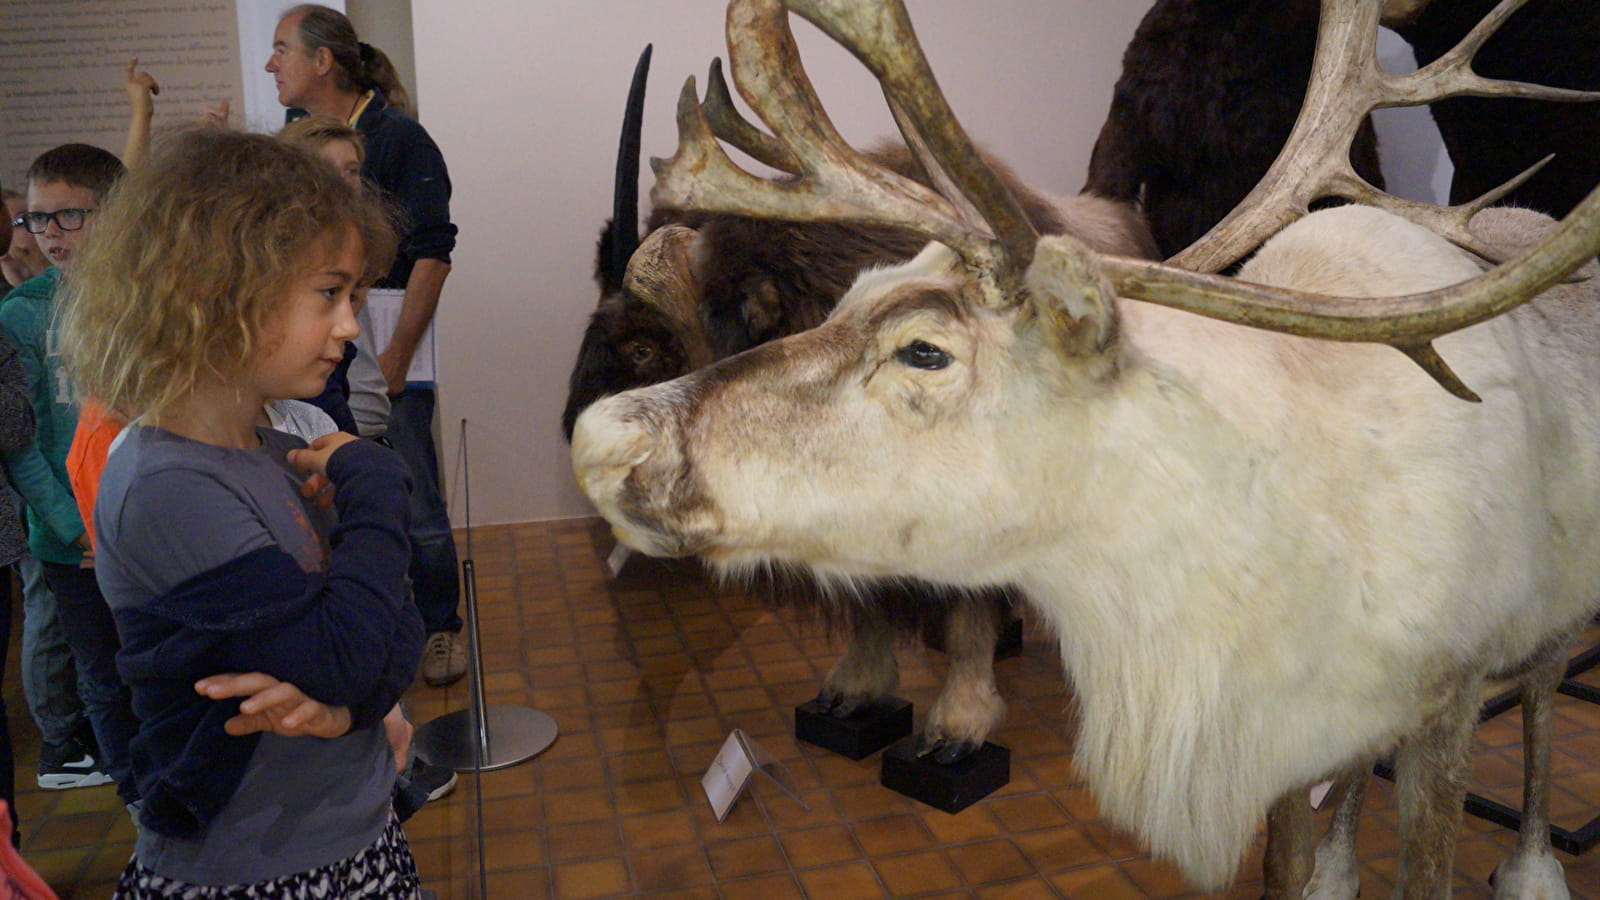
(639, 353)
(922, 355)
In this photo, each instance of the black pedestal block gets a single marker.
(951, 788)
(862, 734)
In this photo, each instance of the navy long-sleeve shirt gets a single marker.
(213, 563)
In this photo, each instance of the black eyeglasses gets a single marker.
(65, 219)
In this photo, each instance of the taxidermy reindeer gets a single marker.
(1271, 552)
(1489, 141)
(1208, 94)
(703, 286)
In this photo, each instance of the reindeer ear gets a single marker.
(1072, 296)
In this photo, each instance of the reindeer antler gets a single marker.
(737, 131)
(977, 217)
(1409, 323)
(1346, 84)
(972, 212)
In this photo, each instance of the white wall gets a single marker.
(525, 100)
(1415, 165)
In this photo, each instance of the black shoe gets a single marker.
(418, 784)
(69, 764)
(436, 781)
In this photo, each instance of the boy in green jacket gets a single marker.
(66, 186)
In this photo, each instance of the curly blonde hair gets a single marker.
(193, 252)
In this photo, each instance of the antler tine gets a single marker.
(1346, 84)
(1409, 323)
(881, 36)
(835, 182)
(1450, 222)
(1451, 75)
(736, 130)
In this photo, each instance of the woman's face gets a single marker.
(345, 158)
(24, 260)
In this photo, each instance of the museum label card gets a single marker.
(739, 758)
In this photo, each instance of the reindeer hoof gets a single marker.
(945, 752)
(840, 705)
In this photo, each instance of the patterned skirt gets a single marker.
(383, 871)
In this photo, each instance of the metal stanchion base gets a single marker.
(513, 734)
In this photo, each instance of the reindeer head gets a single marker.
(932, 387)
(942, 338)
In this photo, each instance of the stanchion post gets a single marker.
(481, 738)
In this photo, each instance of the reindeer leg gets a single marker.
(969, 706)
(1431, 778)
(1287, 864)
(1335, 876)
(1532, 871)
(866, 673)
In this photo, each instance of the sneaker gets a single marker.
(418, 784)
(69, 764)
(444, 659)
(438, 781)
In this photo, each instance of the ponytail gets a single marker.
(378, 72)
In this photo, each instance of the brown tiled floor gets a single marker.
(647, 675)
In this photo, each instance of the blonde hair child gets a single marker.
(333, 140)
(221, 278)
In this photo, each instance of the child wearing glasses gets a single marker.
(65, 189)
(266, 645)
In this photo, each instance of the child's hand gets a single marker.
(215, 114)
(398, 731)
(275, 706)
(314, 459)
(141, 88)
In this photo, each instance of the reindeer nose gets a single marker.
(606, 447)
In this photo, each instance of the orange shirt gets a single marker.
(91, 443)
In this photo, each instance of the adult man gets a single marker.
(319, 66)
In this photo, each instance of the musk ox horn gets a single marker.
(624, 228)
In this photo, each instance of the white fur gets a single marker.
(1264, 555)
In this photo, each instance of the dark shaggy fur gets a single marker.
(1209, 92)
(1490, 140)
